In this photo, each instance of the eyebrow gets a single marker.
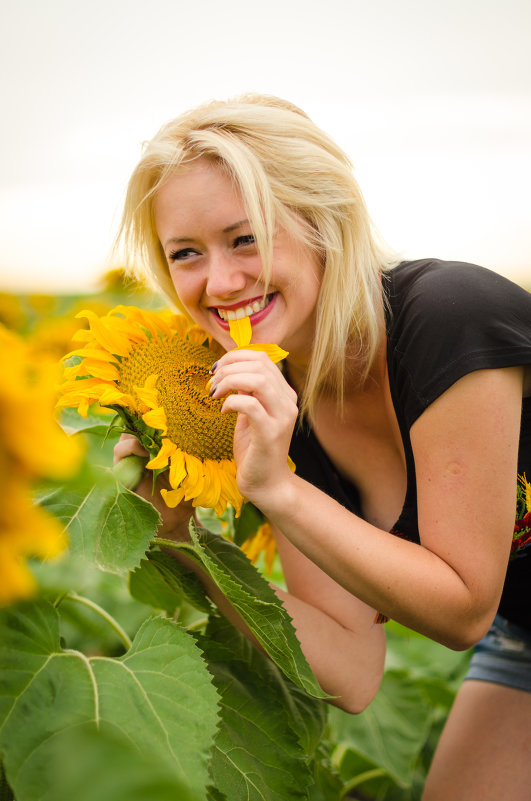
(235, 225)
(227, 230)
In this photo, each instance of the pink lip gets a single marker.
(237, 305)
(255, 318)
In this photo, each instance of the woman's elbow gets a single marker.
(467, 633)
(357, 698)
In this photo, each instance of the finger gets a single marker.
(251, 407)
(242, 356)
(262, 367)
(276, 399)
(128, 445)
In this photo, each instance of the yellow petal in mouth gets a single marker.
(275, 353)
(241, 331)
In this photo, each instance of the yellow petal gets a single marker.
(229, 488)
(177, 468)
(148, 393)
(172, 498)
(156, 418)
(212, 488)
(241, 331)
(161, 459)
(197, 336)
(101, 369)
(112, 396)
(92, 353)
(83, 335)
(83, 409)
(107, 337)
(178, 323)
(275, 353)
(194, 482)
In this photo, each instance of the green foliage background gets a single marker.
(120, 680)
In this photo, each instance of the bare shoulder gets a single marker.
(465, 447)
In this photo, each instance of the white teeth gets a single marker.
(243, 311)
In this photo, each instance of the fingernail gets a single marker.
(213, 389)
(208, 384)
(213, 368)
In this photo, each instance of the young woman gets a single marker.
(413, 384)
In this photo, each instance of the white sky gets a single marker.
(430, 98)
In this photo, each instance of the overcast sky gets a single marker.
(432, 101)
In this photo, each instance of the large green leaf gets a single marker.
(161, 582)
(253, 598)
(92, 763)
(307, 715)
(72, 422)
(158, 696)
(108, 523)
(392, 730)
(258, 753)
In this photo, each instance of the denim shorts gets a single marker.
(503, 656)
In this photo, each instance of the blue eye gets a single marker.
(180, 255)
(245, 239)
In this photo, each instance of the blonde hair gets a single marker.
(287, 171)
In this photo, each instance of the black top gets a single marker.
(444, 320)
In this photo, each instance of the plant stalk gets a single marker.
(361, 779)
(118, 630)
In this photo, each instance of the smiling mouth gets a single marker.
(244, 311)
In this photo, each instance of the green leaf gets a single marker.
(258, 755)
(392, 730)
(158, 697)
(107, 524)
(161, 582)
(100, 764)
(421, 656)
(307, 715)
(253, 598)
(94, 423)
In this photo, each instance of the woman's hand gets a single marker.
(267, 408)
(175, 522)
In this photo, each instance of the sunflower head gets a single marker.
(153, 367)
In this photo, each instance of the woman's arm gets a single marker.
(465, 447)
(344, 648)
(337, 632)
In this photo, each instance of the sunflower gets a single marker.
(262, 541)
(32, 446)
(153, 369)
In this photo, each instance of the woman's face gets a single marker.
(216, 269)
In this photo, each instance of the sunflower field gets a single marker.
(119, 678)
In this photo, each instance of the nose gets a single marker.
(225, 276)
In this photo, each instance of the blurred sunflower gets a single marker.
(11, 313)
(118, 280)
(262, 541)
(51, 337)
(153, 369)
(32, 446)
(42, 304)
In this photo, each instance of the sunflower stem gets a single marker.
(177, 545)
(80, 599)
(361, 779)
(129, 471)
